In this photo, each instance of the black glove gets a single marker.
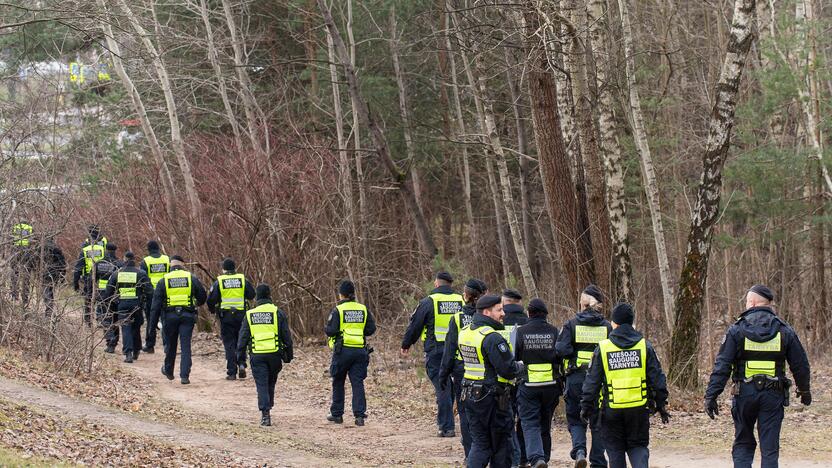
(585, 415)
(805, 397)
(664, 414)
(711, 407)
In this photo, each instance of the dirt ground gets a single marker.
(220, 418)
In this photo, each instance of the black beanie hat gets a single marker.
(263, 291)
(623, 313)
(93, 230)
(445, 276)
(488, 301)
(512, 294)
(111, 247)
(228, 265)
(537, 307)
(152, 245)
(763, 291)
(475, 285)
(595, 292)
(346, 288)
(129, 255)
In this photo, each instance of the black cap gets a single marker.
(178, 258)
(488, 301)
(763, 291)
(623, 313)
(512, 294)
(93, 230)
(346, 288)
(263, 291)
(476, 285)
(537, 307)
(152, 246)
(228, 265)
(595, 292)
(445, 276)
(129, 255)
(111, 247)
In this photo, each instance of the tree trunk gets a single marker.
(505, 265)
(173, 116)
(651, 186)
(213, 56)
(689, 300)
(552, 157)
(611, 151)
(401, 180)
(141, 112)
(363, 213)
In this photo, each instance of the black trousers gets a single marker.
(490, 429)
(763, 408)
(230, 333)
(626, 434)
(352, 363)
(264, 369)
(179, 327)
(131, 321)
(107, 318)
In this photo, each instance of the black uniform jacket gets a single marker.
(625, 337)
(144, 289)
(160, 296)
(588, 317)
(452, 340)
(53, 263)
(215, 298)
(515, 315)
(333, 323)
(535, 343)
(284, 334)
(423, 318)
(758, 324)
(495, 351)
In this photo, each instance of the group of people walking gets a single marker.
(505, 366)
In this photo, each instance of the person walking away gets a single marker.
(578, 340)
(53, 271)
(538, 389)
(489, 365)
(515, 316)
(129, 289)
(266, 335)
(92, 252)
(105, 310)
(431, 320)
(754, 355)
(156, 265)
(175, 300)
(347, 328)
(452, 366)
(228, 298)
(626, 373)
(22, 238)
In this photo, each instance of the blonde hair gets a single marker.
(588, 301)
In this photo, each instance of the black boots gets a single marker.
(185, 380)
(580, 459)
(148, 349)
(110, 349)
(335, 419)
(128, 358)
(168, 375)
(359, 421)
(266, 419)
(241, 371)
(231, 377)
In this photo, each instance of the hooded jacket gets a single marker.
(449, 360)
(589, 317)
(422, 318)
(515, 315)
(758, 324)
(495, 352)
(284, 335)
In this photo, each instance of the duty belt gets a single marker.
(764, 382)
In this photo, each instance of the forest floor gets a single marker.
(129, 414)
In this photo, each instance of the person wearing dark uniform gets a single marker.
(627, 374)
(486, 394)
(22, 260)
(53, 269)
(92, 251)
(538, 389)
(576, 343)
(430, 321)
(227, 298)
(754, 355)
(176, 299)
(156, 265)
(266, 335)
(105, 310)
(348, 326)
(452, 365)
(515, 317)
(129, 289)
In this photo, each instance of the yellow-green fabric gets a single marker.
(178, 286)
(540, 374)
(157, 267)
(232, 291)
(22, 233)
(445, 307)
(762, 366)
(625, 371)
(470, 348)
(126, 282)
(586, 335)
(93, 253)
(262, 322)
(353, 318)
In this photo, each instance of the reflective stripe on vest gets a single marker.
(126, 283)
(540, 374)
(262, 321)
(93, 254)
(232, 291)
(766, 367)
(583, 336)
(353, 318)
(21, 233)
(625, 371)
(178, 288)
(157, 267)
(462, 320)
(445, 306)
(470, 347)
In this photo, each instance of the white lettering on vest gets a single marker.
(158, 268)
(262, 318)
(232, 283)
(469, 354)
(539, 341)
(618, 360)
(353, 316)
(177, 282)
(449, 308)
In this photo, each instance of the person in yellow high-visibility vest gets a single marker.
(348, 326)
(626, 373)
(228, 298)
(266, 335)
(156, 264)
(22, 261)
(92, 251)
